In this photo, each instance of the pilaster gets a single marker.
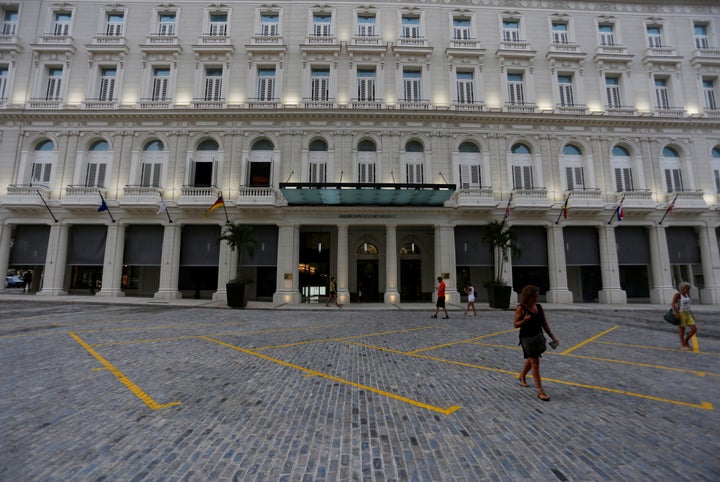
(113, 261)
(611, 293)
(170, 264)
(559, 291)
(288, 279)
(54, 276)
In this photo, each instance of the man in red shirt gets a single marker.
(440, 299)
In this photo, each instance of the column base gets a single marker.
(613, 296)
(710, 296)
(167, 295)
(110, 293)
(391, 297)
(343, 297)
(662, 296)
(51, 292)
(559, 296)
(287, 298)
(220, 295)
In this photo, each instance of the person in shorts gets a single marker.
(683, 312)
(440, 303)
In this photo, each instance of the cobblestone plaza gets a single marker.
(153, 391)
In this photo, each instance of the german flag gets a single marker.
(219, 203)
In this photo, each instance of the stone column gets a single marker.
(662, 290)
(113, 261)
(288, 258)
(170, 263)
(559, 291)
(343, 295)
(710, 256)
(445, 262)
(5, 240)
(392, 295)
(54, 276)
(611, 292)
(228, 265)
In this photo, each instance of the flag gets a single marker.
(619, 210)
(162, 207)
(671, 206)
(565, 207)
(219, 203)
(103, 204)
(507, 208)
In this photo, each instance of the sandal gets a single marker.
(523, 383)
(542, 396)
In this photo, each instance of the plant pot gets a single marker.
(499, 296)
(236, 295)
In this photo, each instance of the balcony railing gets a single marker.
(469, 106)
(521, 108)
(412, 104)
(458, 43)
(45, 104)
(151, 195)
(571, 109)
(318, 104)
(154, 104)
(90, 104)
(611, 50)
(162, 39)
(198, 195)
(713, 113)
(661, 52)
(669, 111)
(366, 104)
(266, 195)
(104, 39)
(640, 198)
(412, 42)
(208, 39)
(619, 110)
(53, 39)
(321, 39)
(566, 48)
(367, 40)
(515, 45)
(258, 103)
(475, 196)
(208, 104)
(267, 39)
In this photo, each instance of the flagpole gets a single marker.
(163, 206)
(46, 205)
(616, 210)
(507, 209)
(107, 208)
(669, 208)
(557, 221)
(227, 219)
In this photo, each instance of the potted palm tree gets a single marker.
(238, 237)
(500, 238)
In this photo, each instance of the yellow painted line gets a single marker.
(161, 327)
(589, 340)
(121, 376)
(702, 405)
(470, 340)
(344, 338)
(309, 372)
(695, 345)
(661, 348)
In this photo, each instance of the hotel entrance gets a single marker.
(314, 268)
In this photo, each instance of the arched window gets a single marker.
(573, 162)
(414, 163)
(469, 165)
(46, 145)
(98, 160)
(670, 152)
(318, 145)
(203, 169)
(153, 157)
(522, 166)
(469, 147)
(317, 161)
(716, 167)
(672, 169)
(154, 146)
(367, 160)
(100, 146)
(43, 161)
(263, 145)
(622, 167)
(620, 151)
(208, 145)
(409, 248)
(367, 248)
(414, 146)
(260, 166)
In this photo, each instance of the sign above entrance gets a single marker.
(357, 194)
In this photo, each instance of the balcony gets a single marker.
(520, 108)
(468, 106)
(620, 110)
(612, 53)
(565, 51)
(25, 195)
(708, 57)
(657, 56)
(214, 44)
(640, 199)
(141, 195)
(473, 197)
(687, 201)
(712, 113)
(411, 104)
(267, 40)
(52, 39)
(258, 196)
(89, 104)
(203, 196)
(515, 50)
(366, 44)
(530, 199)
(258, 103)
(209, 104)
(571, 109)
(585, 200)
(676, 112)
(83, 196)
(44, 104)
(151, 104)
(319, 104)
(366, 104)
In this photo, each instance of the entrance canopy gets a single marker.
(354, 194)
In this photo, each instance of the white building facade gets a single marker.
(367, 142)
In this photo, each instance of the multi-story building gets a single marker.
(371, 142)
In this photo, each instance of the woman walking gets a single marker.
(530, 318)
(470, 292)
(683, 312)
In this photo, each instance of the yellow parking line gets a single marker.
(344, 338)
(309, 372)
(648, 347)
(469, 340)
(591, 339)
(695, 346)
(121, 376)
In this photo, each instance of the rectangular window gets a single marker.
(709, 94)
(213, 84)
(3, 82)
(565, 85)
(410, 27)
(54, 83)
(411, 85)
(107, 84)
(673, 180)
(414, 173)
(560, 33)
(10, 23)
(218, 24)
(464, 83)
(661, 94)
(166, 24)
(320, 84)
(266, 84)
(270, 25)
(607, 34)
(41, 173)
(515, 89)
(366, 26)
(623, 179)
(612, 91)
(701, 36)
(114, 24)
(321, 25)
(161, 81)
(150, 176)
(317, 172)
(575, 178)
(461, 28)
(511, 31)
(469, 176)
(366, 85)
(366, 173)
(522, 177)
(61, 28)
(95, 175)
(654, 36)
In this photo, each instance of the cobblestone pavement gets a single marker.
(147, 392)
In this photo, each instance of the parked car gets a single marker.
(14, 282)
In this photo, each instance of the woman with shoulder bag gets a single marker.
(530, 318)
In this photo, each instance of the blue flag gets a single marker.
(103, 206)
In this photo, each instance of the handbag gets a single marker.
(534, 345)
(669, 316)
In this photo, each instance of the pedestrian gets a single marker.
(683, 312)
(27, 281)
(440, 299)
(470, 292)
(333, 293)
(530, 318)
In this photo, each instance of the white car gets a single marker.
(14, 282)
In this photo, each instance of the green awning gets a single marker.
(357, 194)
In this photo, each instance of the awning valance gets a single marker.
(358, 194)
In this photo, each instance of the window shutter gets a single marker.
(464, 176)
(475, 175)
(527, 174)
(213, 88)
(107, 89)
(669, 180)
(517, 177)
(716, 173)
(160, 89)
(677, 179)
(566, 95)
(53, 89)
(570, 177)
(101, 175)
